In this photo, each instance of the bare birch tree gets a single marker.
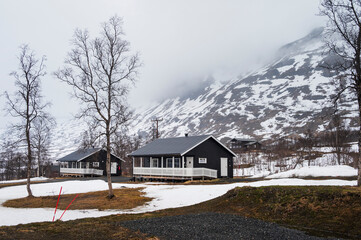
(41, 139)
(26, 103)
(344, 40)
(100, 70)
(13, 160)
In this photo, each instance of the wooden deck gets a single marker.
(80, 172)
(174, 173)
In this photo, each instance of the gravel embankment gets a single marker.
(213, 226)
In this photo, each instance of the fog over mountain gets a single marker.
(288, 96)
(180, 42)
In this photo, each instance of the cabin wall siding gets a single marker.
(213, 151)
(101, 157)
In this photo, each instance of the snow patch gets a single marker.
(315, 171)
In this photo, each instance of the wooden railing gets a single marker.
(176, 172)
(82, 171)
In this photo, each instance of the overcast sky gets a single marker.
(181, 42)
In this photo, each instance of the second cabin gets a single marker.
(189, 157)
(89, 162)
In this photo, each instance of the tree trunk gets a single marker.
(359, 161)
(338, 150)
(38, 172)
(19, 167)
(109, 178)
(359, 142)
(28, 173)
(39, 160)
(358, 92)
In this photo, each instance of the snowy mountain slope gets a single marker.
(65, 138)
(288, 96)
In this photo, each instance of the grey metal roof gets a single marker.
(79, 155)
(170, 146)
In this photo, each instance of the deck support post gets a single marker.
(133, 165)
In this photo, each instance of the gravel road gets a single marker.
(213, 226)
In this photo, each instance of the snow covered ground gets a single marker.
(315, 171)
(326, 163)
(302, 172)
(165, 196)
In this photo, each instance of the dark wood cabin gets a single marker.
(188, 157)
(240, 144)
(89, 162)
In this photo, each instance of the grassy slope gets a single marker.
(323, 211)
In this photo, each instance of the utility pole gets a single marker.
(157, 120)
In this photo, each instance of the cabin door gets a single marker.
(113, 169)
(224, 167)
(189, 162)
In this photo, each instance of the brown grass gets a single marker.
(125, 198)
(71, 230)
(2, 185)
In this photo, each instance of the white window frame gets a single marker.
(155, 160)
(95, 164)
(179, 161)
(202, 160)
(166, 162)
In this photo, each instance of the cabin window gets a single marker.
(95, 164)
(177, 162)
(146, 162)
(202, 160)
(169, 162)
(155, 162)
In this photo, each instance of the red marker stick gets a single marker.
(57, 203)
(68, 207)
